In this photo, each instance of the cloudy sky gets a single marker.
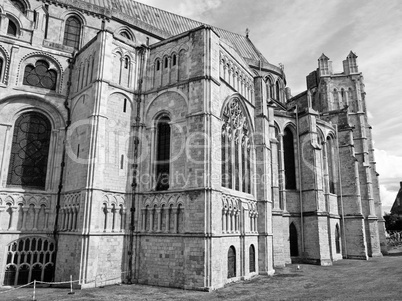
(296, 32)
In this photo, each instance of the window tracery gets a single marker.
(28, 259)
(236, 147)
(29, 151)
(40, 76)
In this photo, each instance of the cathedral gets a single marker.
(140, 146)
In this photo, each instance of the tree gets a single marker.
(393, 222)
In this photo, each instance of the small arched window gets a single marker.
(269, 88)
(166, 62)
(252, 258)
(174, 60)
(125, 35)
(158, 65)
(232, 262)
(40, 76)
(337, 239)
(331, 163)
(289, 158)
(20, 5)
(12, 28)
(29, 151)
(294, 245)
(126, 62)
(163, 153)
(72, 32)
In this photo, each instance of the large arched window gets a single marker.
(252, 258)
(40, 76)
(163, 153)
(28, 259)
(289, 158)
(29, 151)
(235, 148)
(72, 32)
(331, 163)
(232, 262)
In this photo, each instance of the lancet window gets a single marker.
(236, 148)
(289, 158)
(331, 169)
(163, 153)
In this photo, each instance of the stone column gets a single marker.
(47, 211)
(36, 216)
(281, 173)
(151, 220)
(24, 218)
(224, 220)
(144, 214)
(14, 218)
(176, 221)
(159, 212)
(75, 209)
(167, 226)
(2, 209)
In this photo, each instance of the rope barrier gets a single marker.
(35, 282)
(15, 288)
(63, 282)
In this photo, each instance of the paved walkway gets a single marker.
(375, 279)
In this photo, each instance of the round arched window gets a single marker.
(29, 151)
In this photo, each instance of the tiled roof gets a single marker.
(397, 206)
(163, 22)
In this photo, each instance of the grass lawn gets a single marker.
(375, 279)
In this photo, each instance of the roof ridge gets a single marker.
(166, 11)
(187, 18)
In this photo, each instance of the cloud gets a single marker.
(387, 198)
(390, 169)
(197, 9)
(295, 33)
(388, 166)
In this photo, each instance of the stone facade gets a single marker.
(254, 178)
